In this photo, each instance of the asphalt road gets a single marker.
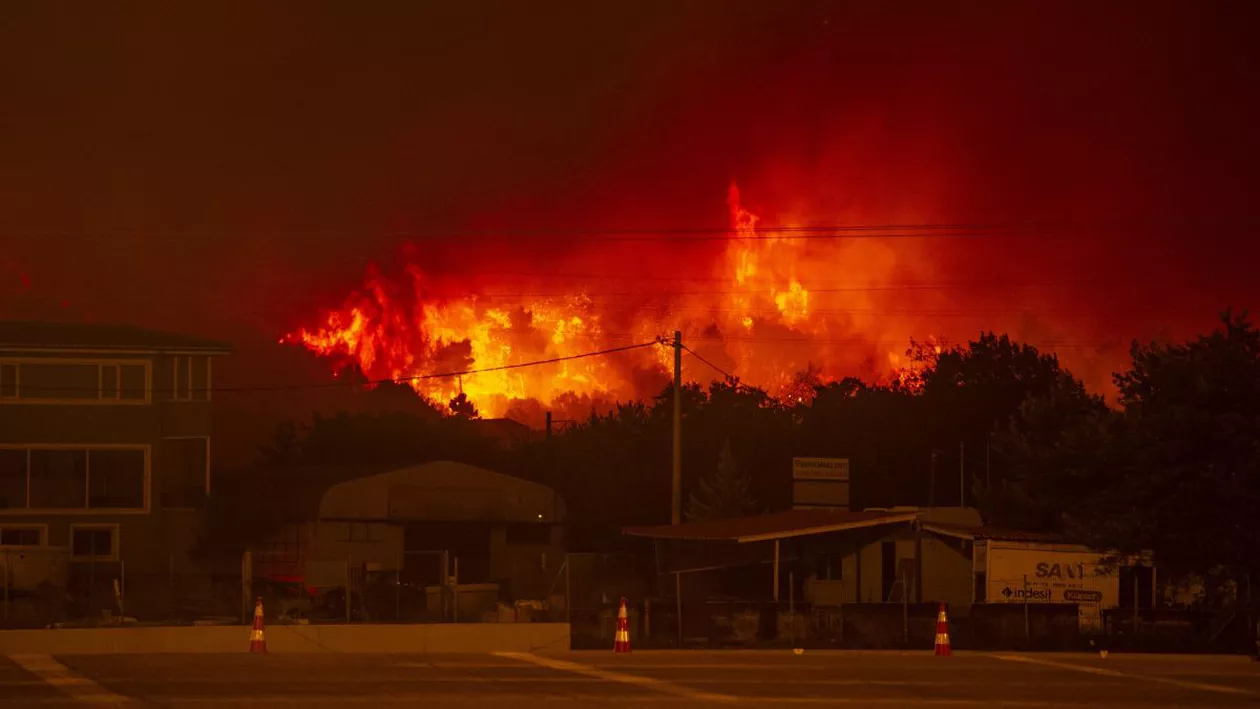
(661, 679)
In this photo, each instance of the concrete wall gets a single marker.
(431, 638)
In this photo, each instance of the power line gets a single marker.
(703, 233)
(729, 377)
(834, 342)
(448, 375)
(578, 292)
(661, 234)
(668, 294)
(664, 309)
(754, 339)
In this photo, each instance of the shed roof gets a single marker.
(778, 525)
(33, 335)
(989, 532)
(442, 491)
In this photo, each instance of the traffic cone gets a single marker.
(622, 643)
(942, 633)
(257, 643)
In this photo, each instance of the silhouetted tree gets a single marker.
(803, 387)
(1056, 452)
(970, 392)
(399, 398)
(724, 493)
(463, 407)
(1189, 485)
(879, 429)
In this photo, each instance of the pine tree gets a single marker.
(725, 493)
(463, 407)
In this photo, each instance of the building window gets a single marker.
(59, 381)
(133, 382)
(116, 479)
(97, 542)
(13, 479)
(201, 378)
(191, 378)
(77, 381)
(831, 567)
(58, 479)
(109, 381)
(185, 472)
(361, 532)
(8, 381)
(113, 478)
(22, 535)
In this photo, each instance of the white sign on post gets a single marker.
(820, 483)
(820, 469)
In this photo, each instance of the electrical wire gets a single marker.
(760, 232)
(448, 375)
(729, 377)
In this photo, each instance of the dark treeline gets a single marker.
(1175, 468)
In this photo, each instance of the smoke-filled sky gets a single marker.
(232, 169)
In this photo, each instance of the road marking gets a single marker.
(703, 666)
(462, 698)
(58, 675)
(1219, 688)
(658, 685)
(899, 702)
(456, 665)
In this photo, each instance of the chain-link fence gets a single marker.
(103, 591)
(596, 584)
(419, 587)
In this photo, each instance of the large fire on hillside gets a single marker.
(777, 311)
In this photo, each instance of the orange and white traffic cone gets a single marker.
(622, 643)
(942, 633)
(257, 643)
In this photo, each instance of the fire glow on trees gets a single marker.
(759, 321)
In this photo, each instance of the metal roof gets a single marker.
(41, 335)
(777, 525)
(988, 532)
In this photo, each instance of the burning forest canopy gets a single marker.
(781, 308)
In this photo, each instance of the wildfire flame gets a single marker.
(401, 328)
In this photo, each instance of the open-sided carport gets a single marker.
(770, 539)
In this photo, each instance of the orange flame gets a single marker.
(401, 333)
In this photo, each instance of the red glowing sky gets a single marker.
(234, 173)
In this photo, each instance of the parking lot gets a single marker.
(666, 679)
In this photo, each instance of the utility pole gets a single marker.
(550, 475)
(987, 481)
(962, 475)
(932, 482)
(676, 516)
